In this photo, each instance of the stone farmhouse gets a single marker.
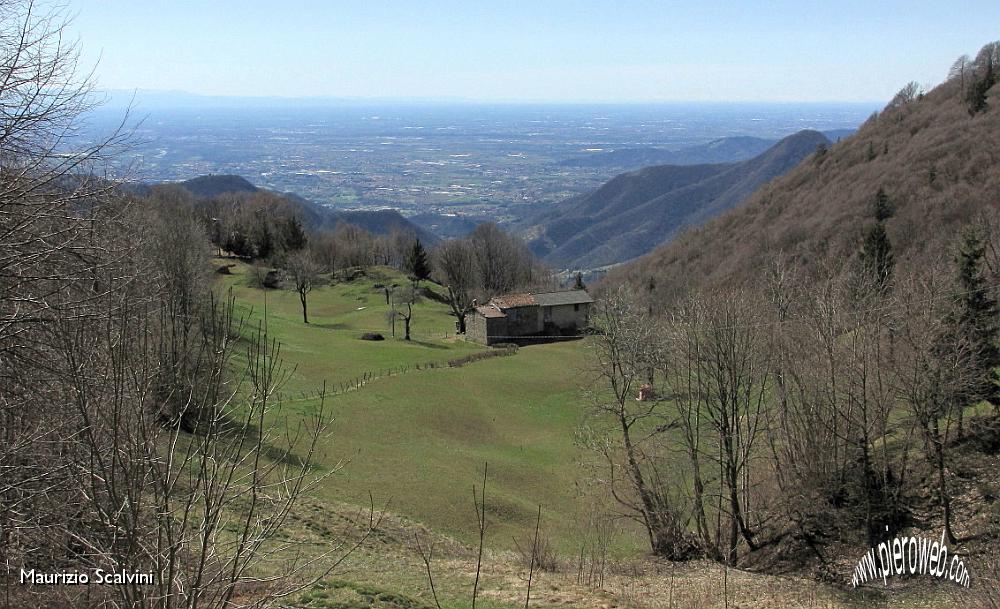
(513, 316)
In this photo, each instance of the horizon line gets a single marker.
(401, 99)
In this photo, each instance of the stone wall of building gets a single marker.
(522, 321)
(483, 330)
(566, 317)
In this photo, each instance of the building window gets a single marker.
(576, 307)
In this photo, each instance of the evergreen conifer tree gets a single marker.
(976, 321)
(876, 253)
(416, 264)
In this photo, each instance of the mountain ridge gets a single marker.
(934, 158)
(313, 215)
(636, 211)
(732, 149)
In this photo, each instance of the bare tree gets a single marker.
(402, 307)
(684, 380)
(325, 250)
(625, 350)
(935, 372)
(504, 262)
(355, 244)
(59, 250)
(909, 93)
(305, 275)
(959, 70)
(735, 369)
(456, 269)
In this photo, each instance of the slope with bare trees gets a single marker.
(930, 153)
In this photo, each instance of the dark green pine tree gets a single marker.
(294, 234)
(881, 207)
(416, 264)
(976, 96)
(976, 322)
(264, 239)
(876, 253)
(239, 244)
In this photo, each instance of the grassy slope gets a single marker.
(329, 348)
(421, 438)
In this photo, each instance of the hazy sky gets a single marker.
(551, 50)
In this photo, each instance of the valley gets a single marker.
(461, 160)
(449, 306)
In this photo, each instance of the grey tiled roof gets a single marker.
(567, 297)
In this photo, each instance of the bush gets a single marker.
(545, 557)
(265, 278)
(481, 355)
(372, 336)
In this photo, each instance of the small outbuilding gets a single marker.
(511, 316)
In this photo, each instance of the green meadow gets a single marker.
(329, 348)
(416, 441)
(419, 440)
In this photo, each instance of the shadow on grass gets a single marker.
(430, 345)
(232, 431)
(331, 326)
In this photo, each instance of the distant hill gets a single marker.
(447, 226)
(214, 185)
(381, 222)
(937, 164)
(724, 150)
(634, 212)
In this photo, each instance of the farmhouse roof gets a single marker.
(498, 304)
(566, 297)
(511, 301)
(489, 311)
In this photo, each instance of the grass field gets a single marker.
(329, 348)
(420, 439)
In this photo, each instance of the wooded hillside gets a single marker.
(935, 156)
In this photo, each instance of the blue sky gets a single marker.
(542, 50)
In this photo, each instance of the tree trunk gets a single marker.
(459, 310)
(701, 521)
(938, 443)
(305, 314)
(661, 540)
(732, 481)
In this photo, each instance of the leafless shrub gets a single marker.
(541, 553)
(908, 94)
